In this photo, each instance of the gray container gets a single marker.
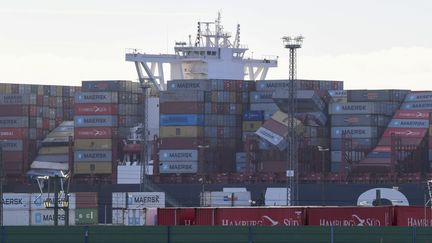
(376, 95)
(178, 167)
(176, 155)
(356, 143)
(338, 93)
(307, 100)
(53, 158)
(182, 96)
(419, 96)
(266, 107)
(272, 85)
(188, 85)
(409, 123)
(354, 132)
(261, 97)
(95, 121)
(93, 155)
(359, 120)
(359, 108)
(354, 156)
(420, 105)
(96, 97)
(12, 145)
(17, 99)
(14, 121)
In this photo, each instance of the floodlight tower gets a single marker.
(292, 43)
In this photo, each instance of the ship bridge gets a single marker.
(211, 56)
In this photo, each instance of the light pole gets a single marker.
(323, 150)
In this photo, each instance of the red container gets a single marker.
(86, 200)
(93, 132)
(406, 132)
(13, 133)
(260, 216)
(14, 110)
(205, 216)
(179, 143)
(412, 216)
(411, 114)
(181, 108)
(96, 109)
(33, 110)
(272, 166)
(45, 123)
(13, 156)
(276, 127)
(52, 102)
(350, 216)
(13, 167)
(386, 141)
(166, 216)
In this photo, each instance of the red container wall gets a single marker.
(12, 155)
(181, 108)
(13, 133)
(413, 216)
(13, 167)
(272, 166)
(276, 127)
(166, 216)
(260, 216)
(350, 216)
(179, 143)
(14, 110)
(93, 132)
(406, 132)
(411, 114)
(205, 216)
(86, 200)
(185, 216)
(96, 109)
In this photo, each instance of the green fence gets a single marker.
(200, 234)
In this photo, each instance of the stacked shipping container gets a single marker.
(358, 123)
(405, 134)
(27, 114)
(104, 113)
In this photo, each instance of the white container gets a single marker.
(276, 196)
(18, 201)
(37, 200)
(138, 200)
(228, 199)
(46, 217)
(134, 217)
(119, 200)
(16, 217)
(151, 217)
(117, 216)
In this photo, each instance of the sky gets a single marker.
(369, 44)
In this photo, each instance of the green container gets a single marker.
(85, 216)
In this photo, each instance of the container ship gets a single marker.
(214, 134)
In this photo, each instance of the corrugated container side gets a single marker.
(92, 168)
(96, 97)
(93, 155)
(181, 131)
(178, 167)
(350, 216)
(86, 200)
(181, 108)
(178, 155)
(93, 132)
(93, 144)
(96, 109)
(96, 121)
(181, 120)
(188, 85)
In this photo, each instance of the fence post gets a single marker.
(331, 234)
(250, 237)
(86, 234)
(3, 234)
(169, 234)
(414, 235)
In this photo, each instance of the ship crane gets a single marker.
(212, 56)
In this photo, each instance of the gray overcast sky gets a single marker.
(367, 44)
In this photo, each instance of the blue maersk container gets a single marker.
(182, 120)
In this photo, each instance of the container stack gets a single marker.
(86, 212)
(359, 123)
(27, 114)
(42, 216)
(104, 113)
(406, 135)
(201, 115)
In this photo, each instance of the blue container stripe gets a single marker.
(253, 116)
(182, 120)
(376, 154)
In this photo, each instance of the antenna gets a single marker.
(198, 37)
(292, 173)
(237, 37)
